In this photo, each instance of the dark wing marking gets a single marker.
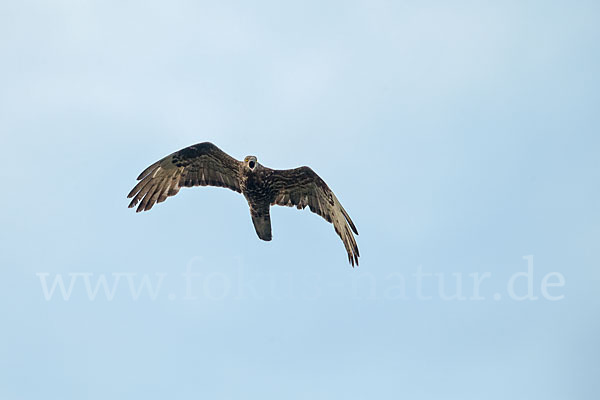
(199, 165)
(302, 187)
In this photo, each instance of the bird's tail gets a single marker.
(262, 223)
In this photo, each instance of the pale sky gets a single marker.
(460, 136)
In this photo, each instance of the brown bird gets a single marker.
(204, 164)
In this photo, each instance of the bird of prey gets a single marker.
(205, 164)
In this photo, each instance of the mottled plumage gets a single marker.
(205, 164)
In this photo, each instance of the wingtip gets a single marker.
(148, 170)
(132, 203)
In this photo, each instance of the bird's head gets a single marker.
(250, 162)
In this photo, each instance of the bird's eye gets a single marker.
(251, 164)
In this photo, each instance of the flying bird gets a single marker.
(204, 164)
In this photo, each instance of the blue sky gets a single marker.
(462, 138)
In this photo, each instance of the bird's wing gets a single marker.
(301, 187)
(199, 165)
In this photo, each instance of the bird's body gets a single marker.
(205, 164)
(256, 188)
